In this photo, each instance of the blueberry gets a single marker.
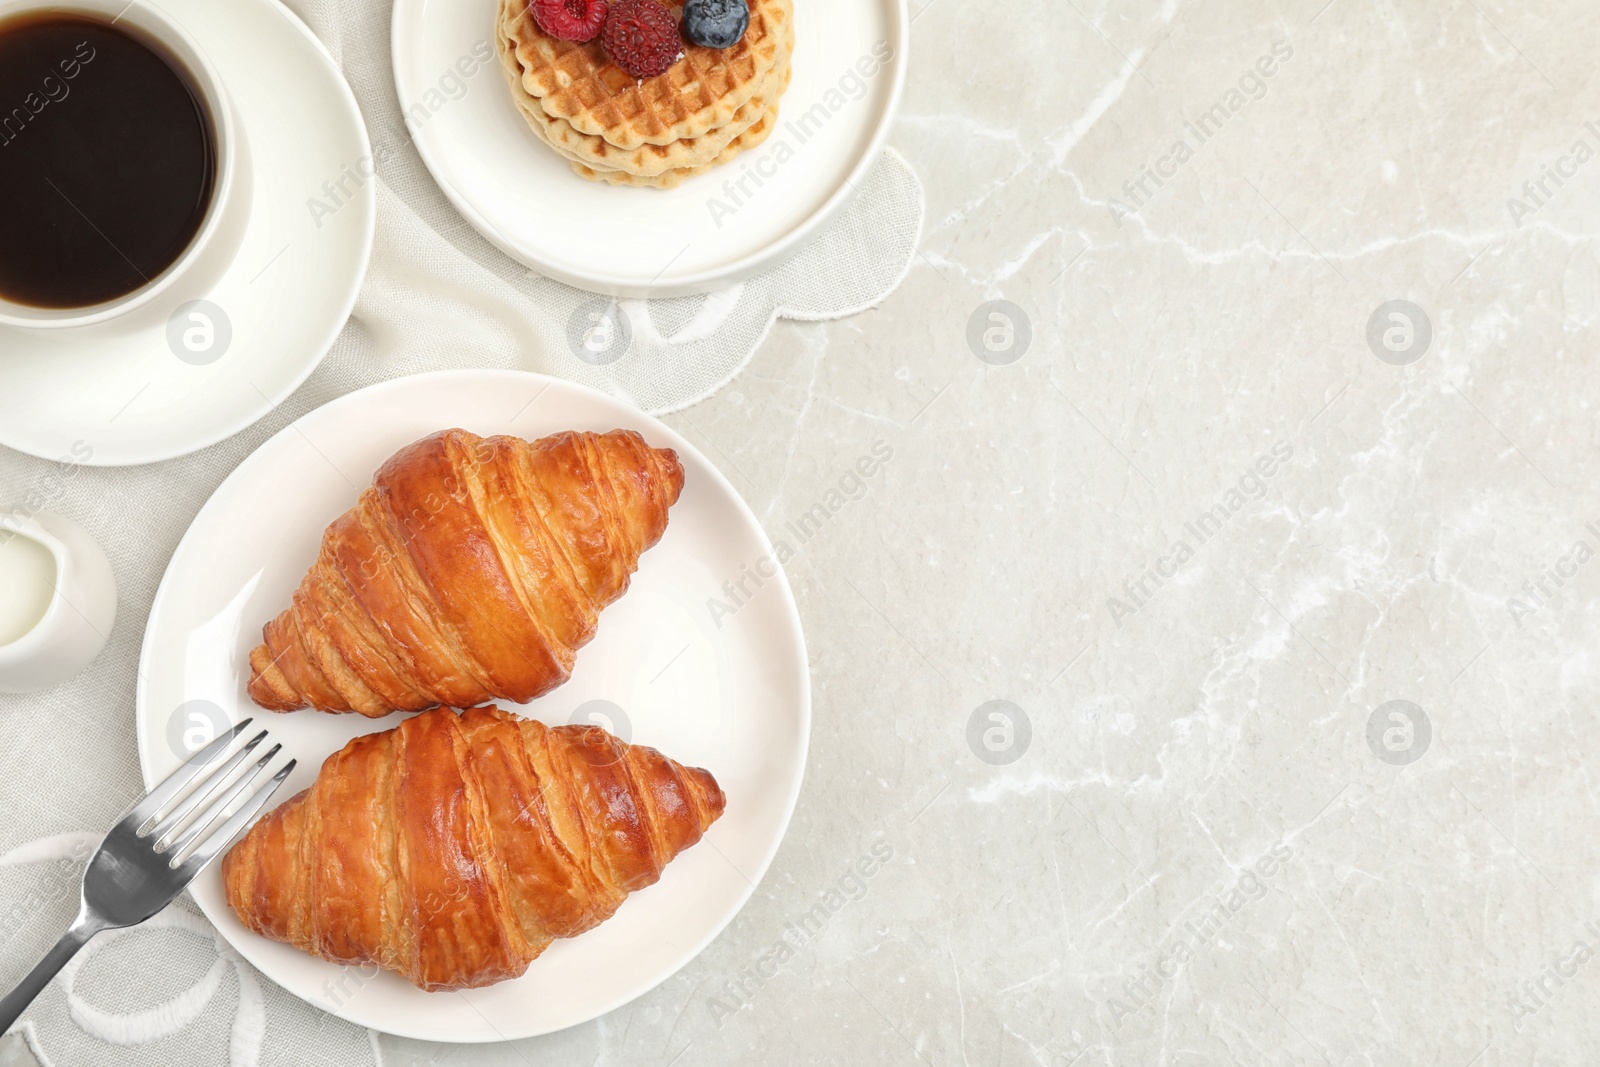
(715, 23)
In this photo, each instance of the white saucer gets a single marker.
(725, 689)
(647, 242)
(119, 389)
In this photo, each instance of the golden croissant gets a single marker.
(455, 848)
(473, 569)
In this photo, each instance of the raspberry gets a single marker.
(641, 37)
(570, 20)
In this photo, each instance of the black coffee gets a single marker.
(107, 160)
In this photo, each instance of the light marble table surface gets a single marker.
(1223, 510)
(1287, 416)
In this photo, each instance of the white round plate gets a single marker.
(117, 394)
(704, 235)
(730, 693)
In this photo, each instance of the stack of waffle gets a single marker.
(713, 104)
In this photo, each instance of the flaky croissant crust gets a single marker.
(454, 849)
(473, 569)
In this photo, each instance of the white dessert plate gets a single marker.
(706, 234)
(119, 393)
(727, 690)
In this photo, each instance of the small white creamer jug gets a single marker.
(58, 600)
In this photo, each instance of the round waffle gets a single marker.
(702, 92)
(751, 138)
(654, 160)
(647, 160)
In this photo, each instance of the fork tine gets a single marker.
(208, 849)
(208, 785)
(175, 782)
(218, 806)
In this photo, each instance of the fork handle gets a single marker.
(16, 1002)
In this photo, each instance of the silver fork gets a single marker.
(141, 865)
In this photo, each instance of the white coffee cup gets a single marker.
(82, 608)
(217, 240)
